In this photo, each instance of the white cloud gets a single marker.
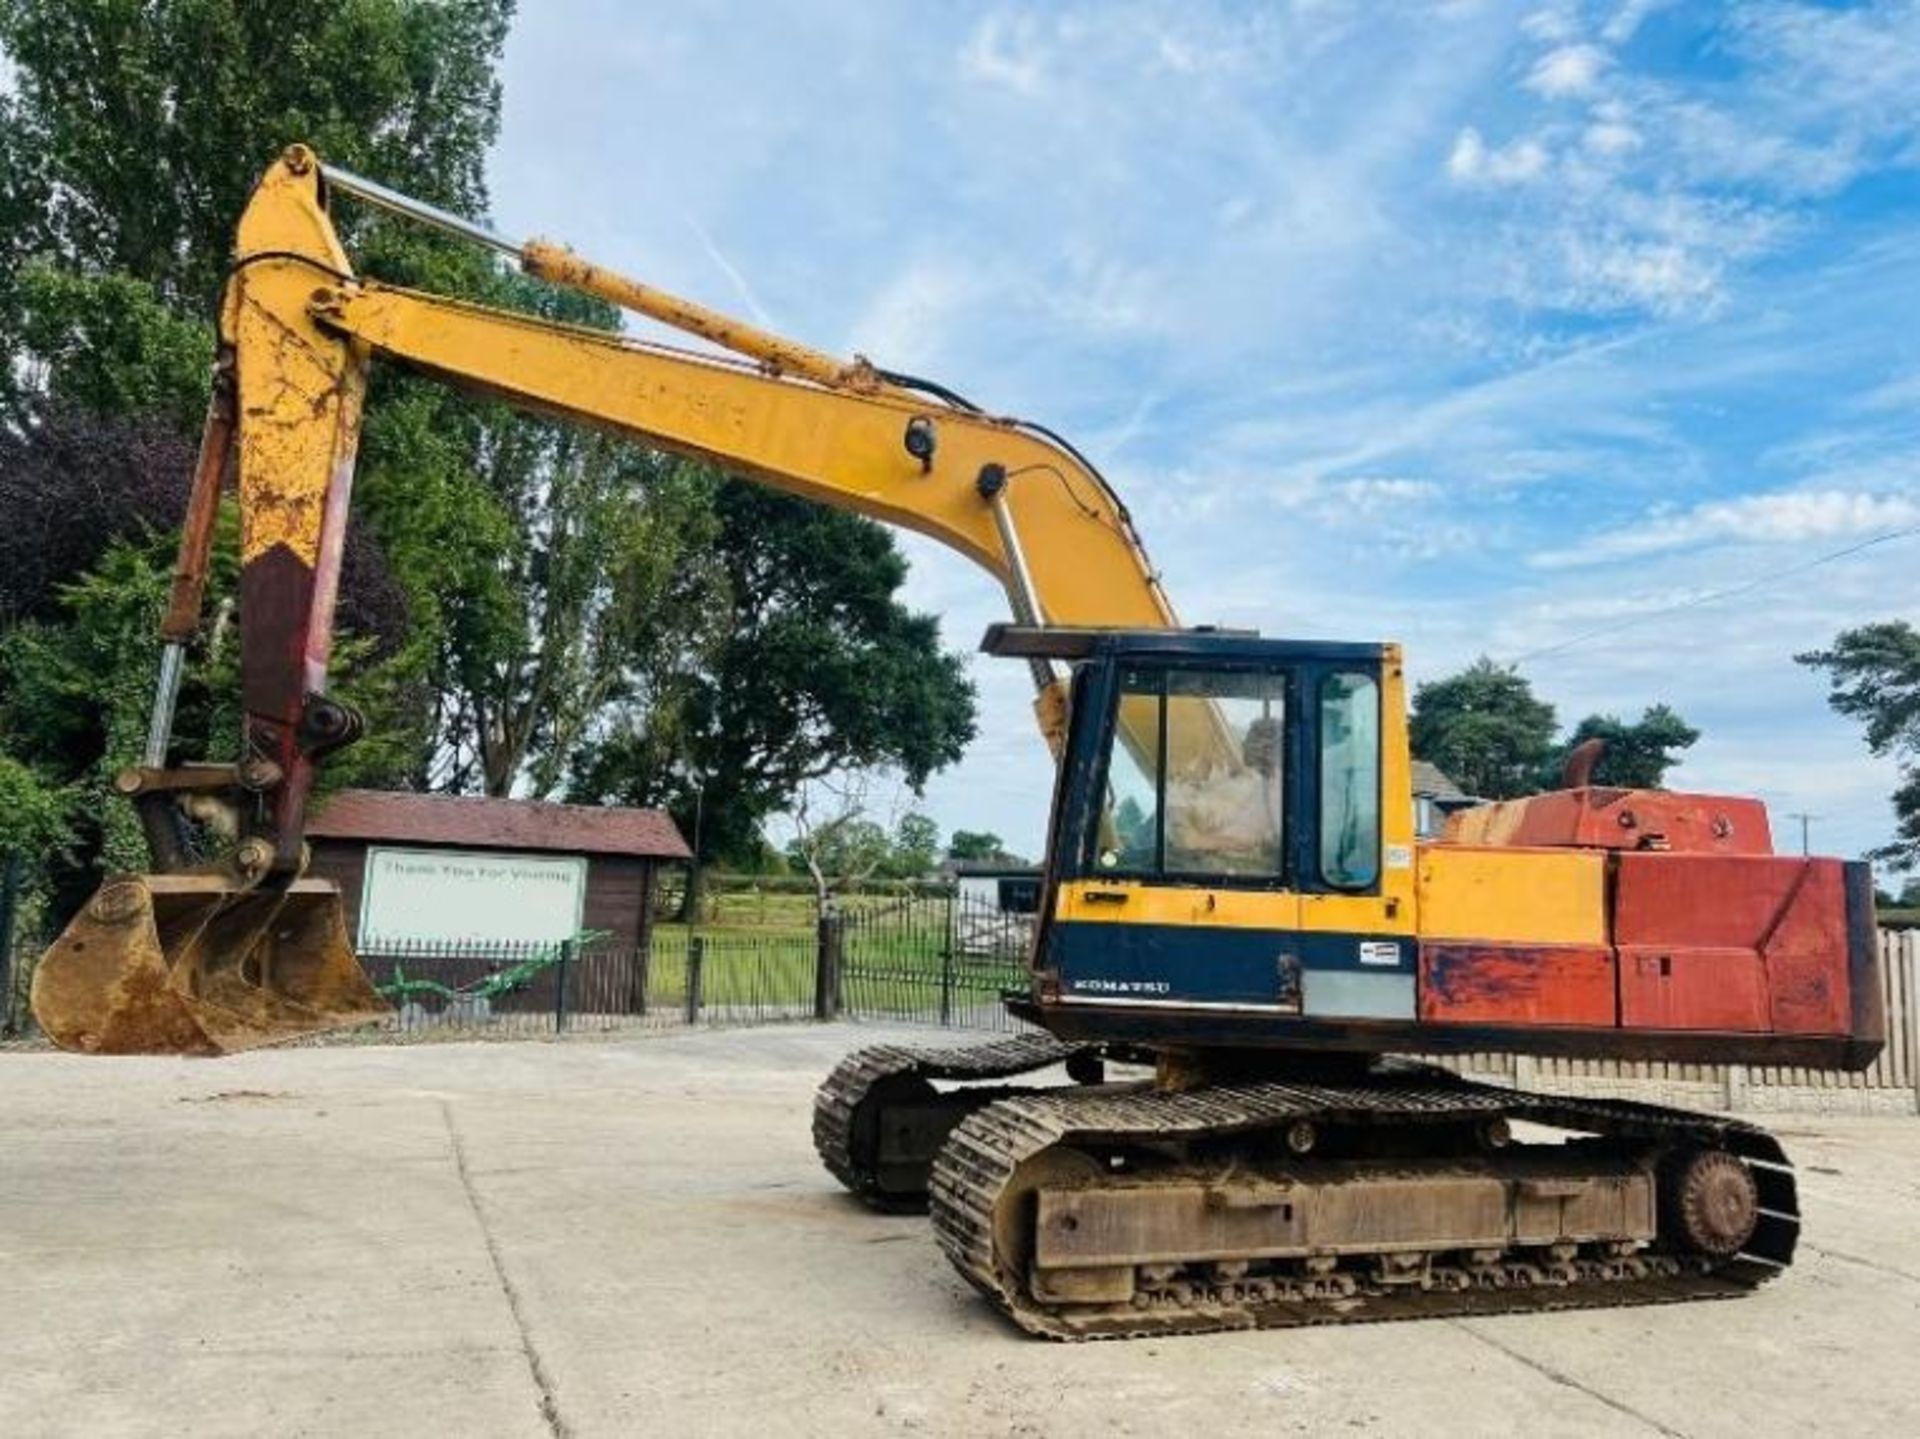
(1368, 494)
(1662, 276)
(1005, 52)
(1704, 143)
(907, 324)
(1569, 71)
(1787, 518)
(1610, 133)
(1900, 395)
(1603, 246)
(1858, 63)
(1551, 24)
(1472, 161)
(1627, 19)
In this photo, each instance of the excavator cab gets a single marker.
(1221, 841)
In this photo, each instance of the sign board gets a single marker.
(428, 896)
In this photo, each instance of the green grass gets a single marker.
(739, 967)
(899, 970)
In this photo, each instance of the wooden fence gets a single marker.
(1890, 1086)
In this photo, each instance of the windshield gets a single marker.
(1204, 793)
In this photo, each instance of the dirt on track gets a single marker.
(605, 1238)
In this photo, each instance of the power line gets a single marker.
(1772, 577)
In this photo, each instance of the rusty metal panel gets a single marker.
(1622, 1205)
(1620, 819)
(1710, 900)
(1148, 1224)
(1738, 943)
(1667, 987)
(1517, 984)
(1807, 951)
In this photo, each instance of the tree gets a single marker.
(75, 691)
(814, 668)
(835, 841)
(915, 848)
(34, 834)
(1873, 673)
(975, 844)
(600, 566)
(1637, 756)
(84, 561)
(127, 149)
(137, 129)
(72, 481)
(841, 845)
(1485, 728)
(33, 817)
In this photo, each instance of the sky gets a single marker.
(1509, 329)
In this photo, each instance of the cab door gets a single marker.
(1354, 848)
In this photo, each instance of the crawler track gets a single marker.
(979, 1162)
(850, 1105)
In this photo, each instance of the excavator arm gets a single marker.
(249, 953)
(302, 331)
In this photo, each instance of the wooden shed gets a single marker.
(430, 869)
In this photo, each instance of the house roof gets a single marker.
(1008, 868)
(471, 823)
(1431, 782)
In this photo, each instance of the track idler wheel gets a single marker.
(1711, 1203)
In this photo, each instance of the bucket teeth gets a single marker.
(178, 964)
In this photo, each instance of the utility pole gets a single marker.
(1805, 820)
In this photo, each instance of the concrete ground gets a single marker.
(624, 1237)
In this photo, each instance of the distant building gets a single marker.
(424, 869)
(1003, 886)
(1434, 798)
(996, 903)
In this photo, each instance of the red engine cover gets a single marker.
(1732, 942)
(1626, 819)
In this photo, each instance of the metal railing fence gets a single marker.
(935, 959)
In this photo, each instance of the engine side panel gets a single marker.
(1512, 896)
(1485, 983)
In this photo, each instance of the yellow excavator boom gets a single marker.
(244, 952)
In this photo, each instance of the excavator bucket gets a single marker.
(195, 964)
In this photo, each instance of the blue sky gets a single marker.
(1478, 326)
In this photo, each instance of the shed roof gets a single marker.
(523, 824)
(1431, 782)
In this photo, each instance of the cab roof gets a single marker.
(1070, 643)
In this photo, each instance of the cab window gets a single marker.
(1128, 839)
(1349, 781)
(1197, 775)
(1225, 773)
